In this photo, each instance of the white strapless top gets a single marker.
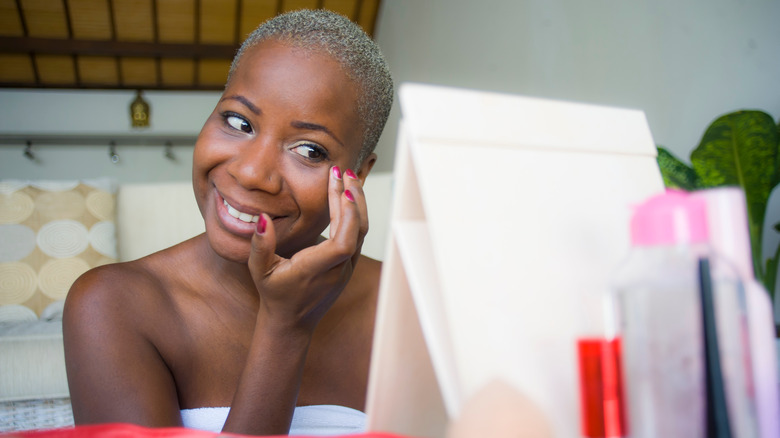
(307, 420)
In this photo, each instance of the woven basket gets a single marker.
(35, 414)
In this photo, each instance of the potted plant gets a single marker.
(737, 149)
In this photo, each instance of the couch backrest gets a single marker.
(154, 216)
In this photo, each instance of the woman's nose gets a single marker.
(256, 166)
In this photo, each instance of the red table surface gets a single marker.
(130, 430)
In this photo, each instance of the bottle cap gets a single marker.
(670, 218)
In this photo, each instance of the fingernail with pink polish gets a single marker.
(337, 172)
(261, 225)
(349, 195)
(350, 174)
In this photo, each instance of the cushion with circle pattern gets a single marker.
(51, 232)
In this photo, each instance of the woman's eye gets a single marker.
(239, 123)
(311, 151)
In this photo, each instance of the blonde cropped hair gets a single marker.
(334, 34)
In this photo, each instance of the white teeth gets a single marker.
(246, 217)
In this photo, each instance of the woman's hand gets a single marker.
(295, 293)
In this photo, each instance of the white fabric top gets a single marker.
(307, 420)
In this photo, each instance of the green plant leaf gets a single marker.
(676, 174)
(741, 149)
(776, 181)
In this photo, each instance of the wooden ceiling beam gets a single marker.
(52, 46)
(194, 87)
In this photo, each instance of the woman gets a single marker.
(259, 323)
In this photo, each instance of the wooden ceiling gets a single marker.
(138, 44)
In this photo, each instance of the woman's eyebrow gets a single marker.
(315, 127)
(295, 124)
(244, 101)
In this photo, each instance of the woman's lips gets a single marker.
(246, 217)
(234, 220)
(237, 221)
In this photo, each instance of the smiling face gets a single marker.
(286, 117)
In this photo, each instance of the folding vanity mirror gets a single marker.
(510, 214)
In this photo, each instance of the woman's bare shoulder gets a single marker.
(122, 289)
(104, 299)
(115, 319)
(363, 287)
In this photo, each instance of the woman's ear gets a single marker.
(365, 168)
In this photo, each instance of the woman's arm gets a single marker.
(115, 373)
(294, 296)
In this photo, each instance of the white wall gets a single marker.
(682, 62)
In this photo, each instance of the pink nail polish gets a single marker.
(349, 195)
(350, 174)
(261, 224)
(337, 172)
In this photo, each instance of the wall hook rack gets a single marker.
(169, 151)
(112, 152)
(166, 140)
(29, 153)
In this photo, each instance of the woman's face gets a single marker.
(286, 117)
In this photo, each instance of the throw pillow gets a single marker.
(51, 232)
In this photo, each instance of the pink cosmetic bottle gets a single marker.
(656, 304)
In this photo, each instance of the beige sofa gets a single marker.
(149, 217)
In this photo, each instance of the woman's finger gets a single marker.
(346, 240)
(355, 186)
(335, 189)
(340, 247)
(262, 255)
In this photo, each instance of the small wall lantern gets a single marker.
(139, 111)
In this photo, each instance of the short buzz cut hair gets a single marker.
(328, 32)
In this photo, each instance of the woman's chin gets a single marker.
(230, 247)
